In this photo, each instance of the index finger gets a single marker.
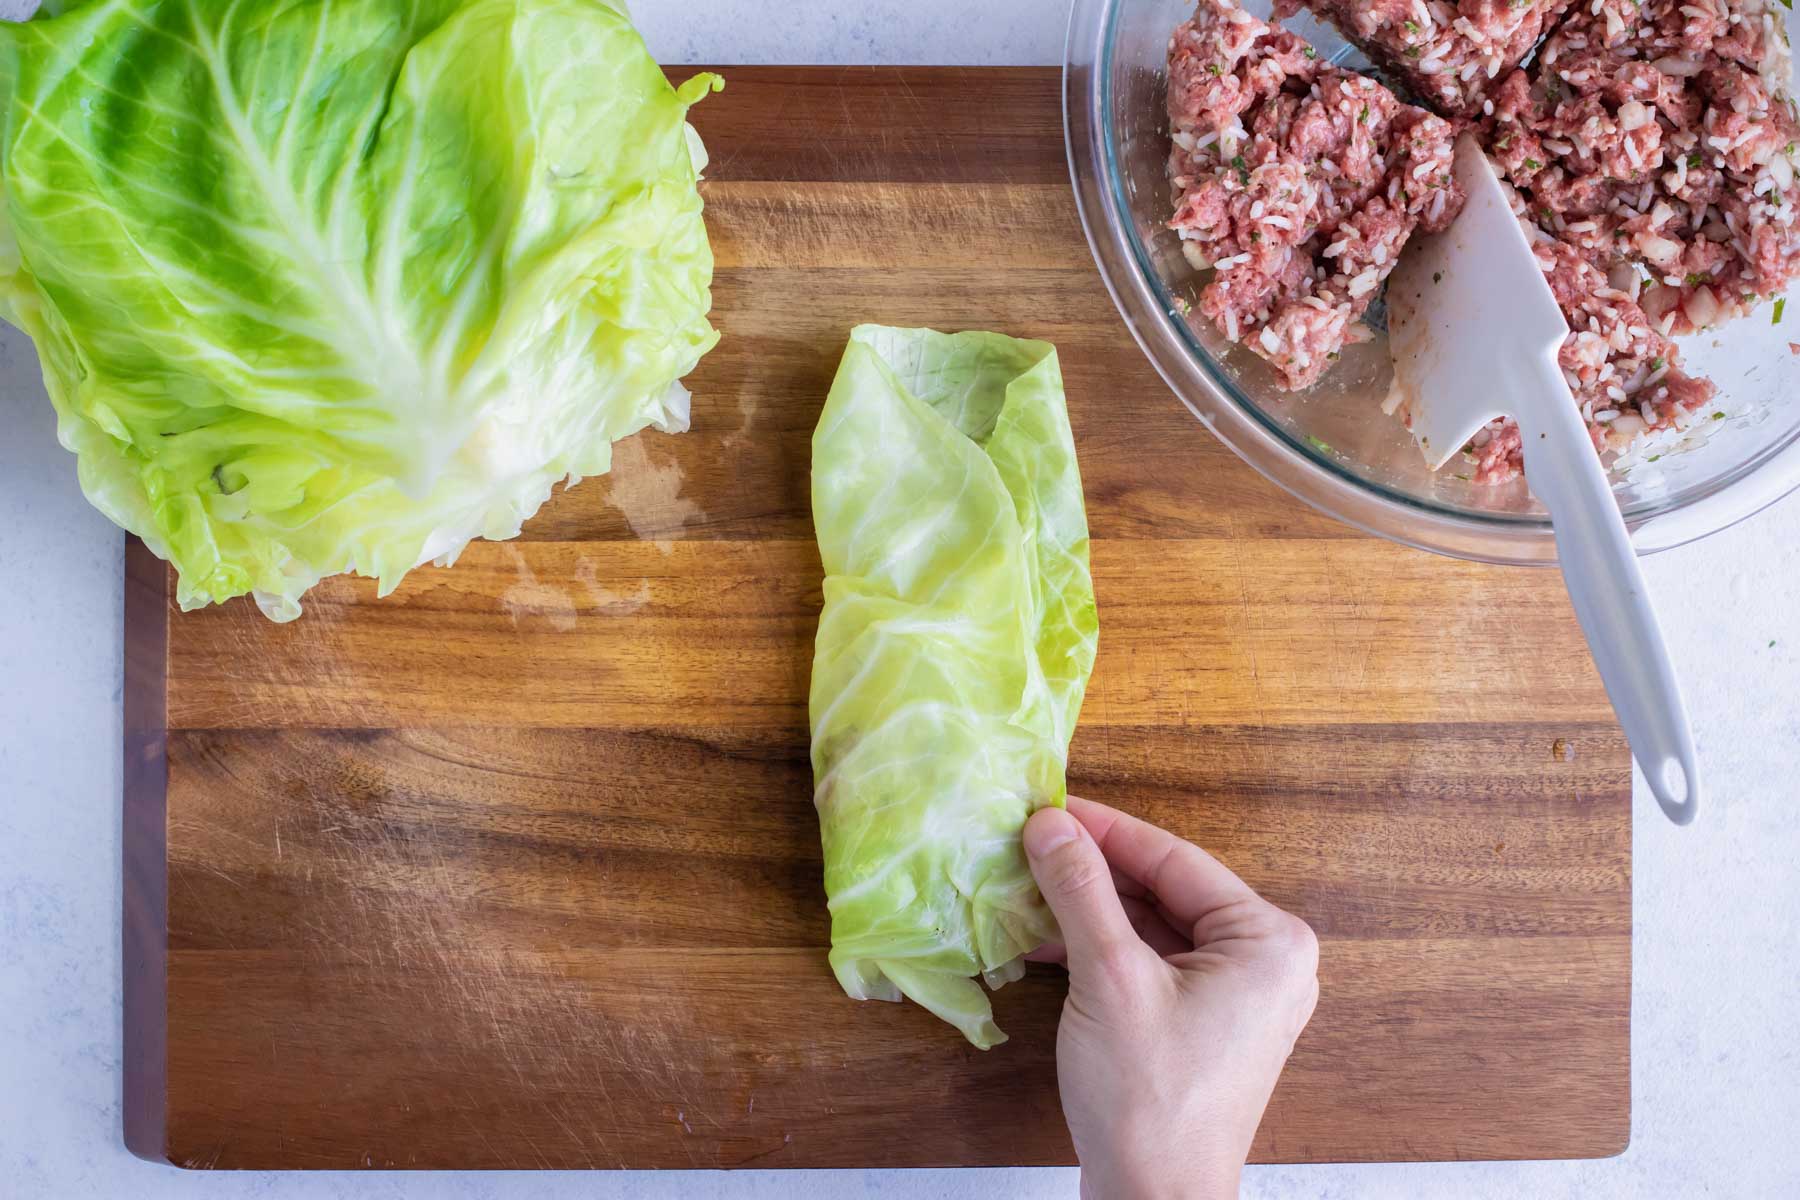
(1188, 882)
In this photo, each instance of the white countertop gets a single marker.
(1716, 999)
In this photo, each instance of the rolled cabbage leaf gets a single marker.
(955, 644)
(327, 286)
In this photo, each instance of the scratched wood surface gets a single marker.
(518, 867)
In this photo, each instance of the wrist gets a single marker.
(1174, 1179)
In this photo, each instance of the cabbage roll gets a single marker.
(955, 644)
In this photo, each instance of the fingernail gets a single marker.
(1048, 830)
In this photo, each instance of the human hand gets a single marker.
(1187, 992)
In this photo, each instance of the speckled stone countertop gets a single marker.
(1716, 1000)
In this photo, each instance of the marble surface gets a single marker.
(1716, 1002)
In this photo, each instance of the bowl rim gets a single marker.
(1148, 309)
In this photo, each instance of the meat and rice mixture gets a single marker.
(1624, 373)
(1652, 147)
(1447, 54)
(1297, 183)
(1659, 140)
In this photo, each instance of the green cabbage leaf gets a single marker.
(338, 285)
(955, 644)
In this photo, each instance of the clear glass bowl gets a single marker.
(1332, 446)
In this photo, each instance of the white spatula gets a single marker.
(1475, 331)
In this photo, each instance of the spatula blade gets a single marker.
(1465, 307)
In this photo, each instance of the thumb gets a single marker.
(1077, 884)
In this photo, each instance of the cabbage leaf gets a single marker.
(334, 285)
(953, 650)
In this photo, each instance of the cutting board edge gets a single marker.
(144, 854)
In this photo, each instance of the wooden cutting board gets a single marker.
(518, 867)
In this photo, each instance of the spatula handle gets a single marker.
(1600, 569)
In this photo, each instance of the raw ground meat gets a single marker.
(1658, 139)
(1447, 54)
(1625, 375)
(1297, 183)
(1651, 146)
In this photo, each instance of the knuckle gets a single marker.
(1298, 942)
(1076, 872)
(1293, 948)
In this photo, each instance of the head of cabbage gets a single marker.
(339, 285)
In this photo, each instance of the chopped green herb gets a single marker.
(1656, 458)
(1311, 53)
(1411, 27)
(1362, 118)
(1256, 235)
(1656, 364)
(1503, 141)
(1788, 4)
(1322, 447)
(1718, 416)
(1215, 69)
(1332, 356)
(1695, 279)
(1780, 307)
(1464, 478)
(1771, 643)
(1243, 168)
(1532, 164)
(1413, 51)
(1694, 161)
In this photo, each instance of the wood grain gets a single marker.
(518, 866)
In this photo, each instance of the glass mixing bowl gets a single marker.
(1332, 446)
